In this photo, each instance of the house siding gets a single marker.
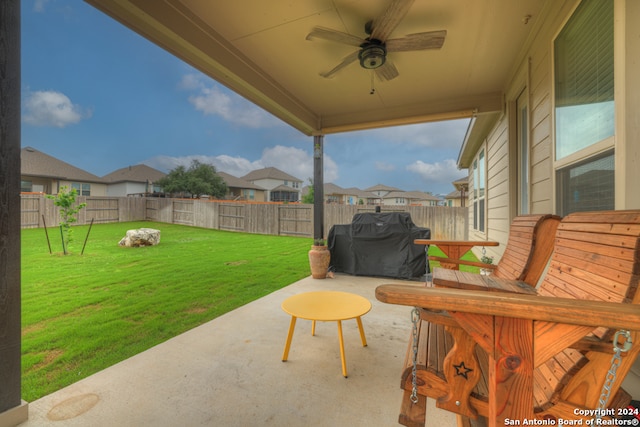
(497, 198)
(125, 188)
(97, 189)
(540, 132)
(534, 73)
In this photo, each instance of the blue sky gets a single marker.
(97, 95)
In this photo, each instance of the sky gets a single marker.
(100, 97)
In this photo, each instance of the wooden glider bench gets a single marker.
(520, 353)
(525, 257)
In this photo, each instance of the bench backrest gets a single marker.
(596, 257)
(528, 249)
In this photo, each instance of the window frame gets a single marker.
(585, 154)
(480, 191)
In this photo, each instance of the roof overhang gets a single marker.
(259, 50)
(477, 131)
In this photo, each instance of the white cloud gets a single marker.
(298, 162)
(216, 101)
(291, 160)
(445, 134)
(236, 166)
(38, 5)
(443, 172)
(191, 82)
(50, 108)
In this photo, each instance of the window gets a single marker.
(587, 186)
(583, 54)
(26, 186)
(479, 178)
(249, 194)
(82, 188)
(584, 109)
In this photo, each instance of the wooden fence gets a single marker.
(259, 218)
(37, 211)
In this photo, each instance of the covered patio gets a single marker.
(228, 372)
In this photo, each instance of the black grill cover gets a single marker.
(379, 244)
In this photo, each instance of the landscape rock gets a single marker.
(141, 237)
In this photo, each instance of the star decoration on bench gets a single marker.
(462, 370)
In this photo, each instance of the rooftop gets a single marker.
(37, 163)
(137, 173)
(269, 173)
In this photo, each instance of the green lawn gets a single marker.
(469, 256)
(83, 313)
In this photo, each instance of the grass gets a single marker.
(469, 256)
(83, 313)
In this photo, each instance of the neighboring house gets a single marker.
(342, 196)
(568, 138)
(419, 198)
(409, 198)
(458, 198)
(381, 195)
(133, 180)
(380, 191)
(359, 197)
(239, 189)
(42, 173)
(280, 186)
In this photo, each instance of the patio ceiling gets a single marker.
(259, 49)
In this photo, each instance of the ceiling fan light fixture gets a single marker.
(372, 56)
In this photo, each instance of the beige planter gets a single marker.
(319, 257)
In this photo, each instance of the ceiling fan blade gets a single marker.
(334, 36)
(383, 26)
(352, 57)
(387, 71)
(417, 41)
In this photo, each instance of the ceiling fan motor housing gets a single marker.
(373, 54)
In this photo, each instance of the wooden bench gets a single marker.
(514, 354)
(525, 257)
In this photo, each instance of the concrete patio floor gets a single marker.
(229, 372)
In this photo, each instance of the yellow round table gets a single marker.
(326, 306)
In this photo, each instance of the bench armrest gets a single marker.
(469, 243)
(534, 307)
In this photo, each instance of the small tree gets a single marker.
(308, 198)
(66, 201)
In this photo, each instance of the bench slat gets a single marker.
(615, 240)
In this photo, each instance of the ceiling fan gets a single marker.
(374, 48)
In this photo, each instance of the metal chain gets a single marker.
(616, 360)
(415, 318)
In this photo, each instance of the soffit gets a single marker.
(259, 49)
